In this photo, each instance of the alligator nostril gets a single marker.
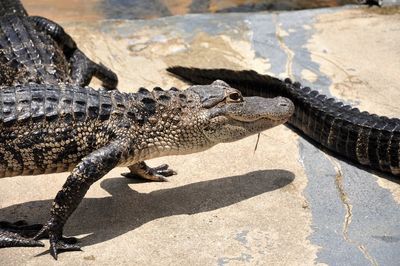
(283, 103)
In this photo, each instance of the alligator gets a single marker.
(57, 128)
(367, 140)
(34, 49)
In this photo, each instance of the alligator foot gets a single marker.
(18, 234)
(58, 243)
(83, 69)
(21, 228)
(141, 170)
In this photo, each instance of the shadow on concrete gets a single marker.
(106, 218)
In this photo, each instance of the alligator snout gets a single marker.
(255, 108)
(284, 102)
(284, 107)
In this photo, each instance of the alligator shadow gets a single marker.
(106, 218)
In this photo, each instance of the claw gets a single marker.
(58, 243)
(58, 246)
(11, 239)
(141, 170)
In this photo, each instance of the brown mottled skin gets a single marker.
(49, 129)
(37, 50)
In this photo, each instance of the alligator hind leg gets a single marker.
(18, 234)
(83, 69)
(55, 31)
(141, 170)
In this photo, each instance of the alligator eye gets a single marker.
(235, 97)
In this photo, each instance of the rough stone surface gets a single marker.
(287, 203)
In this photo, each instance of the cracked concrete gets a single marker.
(348, 215)
(287, 203)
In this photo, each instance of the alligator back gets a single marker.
(364, 138)
(28, 55)
(45, 129)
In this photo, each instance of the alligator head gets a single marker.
(231, 117)
(204, 115)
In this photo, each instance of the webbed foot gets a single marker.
(141, 170)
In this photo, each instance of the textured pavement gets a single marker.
(287, 203)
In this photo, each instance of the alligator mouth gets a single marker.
(275, 110)
(261, 122)
(257, 119)
(268, 117)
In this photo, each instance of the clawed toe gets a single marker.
(21, 228)
(163, 170)
(141, 170)
(11, 239)
(59, 246)
(58, 243)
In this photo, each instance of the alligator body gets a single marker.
(58, 128)
(366, 139)
(36, 50)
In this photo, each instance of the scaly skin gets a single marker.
(37, 50)
(365, 139)
(57, 128)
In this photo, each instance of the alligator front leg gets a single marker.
(83, 69)
(17, 234)
(141, 170)
(89, 170)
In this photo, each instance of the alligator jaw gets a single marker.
(254, 115)
(277, 109)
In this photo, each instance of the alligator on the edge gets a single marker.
(58, 128)
(366, 139)
(36, 50)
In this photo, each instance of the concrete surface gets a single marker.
(287, 203)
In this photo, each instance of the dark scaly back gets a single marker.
(12, 7)
(49, 128)
(28, 55)
(367, 139)
(37, 103)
